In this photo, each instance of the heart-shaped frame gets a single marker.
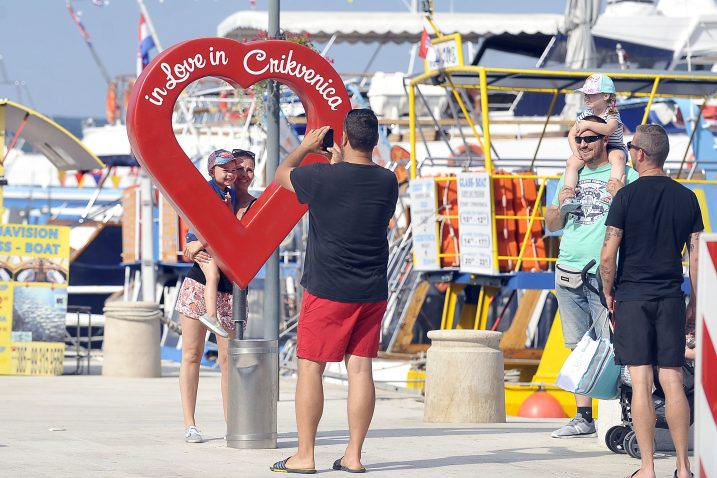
(239, 247)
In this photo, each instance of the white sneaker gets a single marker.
(578, 427)
(214, 326)
(193, 435)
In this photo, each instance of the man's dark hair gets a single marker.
(594, 119)
(361, 126)
(654, 142)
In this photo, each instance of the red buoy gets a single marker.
(541, 405)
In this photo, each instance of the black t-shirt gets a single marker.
(350, 206)
(657, 215)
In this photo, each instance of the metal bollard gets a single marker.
(253, 394)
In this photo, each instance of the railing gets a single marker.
(535, 207)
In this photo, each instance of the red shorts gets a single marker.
(330, 330)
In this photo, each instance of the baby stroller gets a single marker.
(622, 438)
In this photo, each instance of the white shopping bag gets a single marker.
(591, 370)
(577, 364)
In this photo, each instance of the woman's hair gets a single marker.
(612, 103)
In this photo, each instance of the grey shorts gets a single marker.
(578, 309)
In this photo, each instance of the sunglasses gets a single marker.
(588, 139)
(238, 153)
(636, 148)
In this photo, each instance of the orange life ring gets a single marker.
(524, 203)
(223, 105)
(503, 197)
(127, 93)
(460, 152)
(111, 103)
(447, 194)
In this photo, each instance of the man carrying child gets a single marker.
(583, 234)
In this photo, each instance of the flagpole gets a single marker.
(149, 273)
(150, 25)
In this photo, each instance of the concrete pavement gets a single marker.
(76, 426)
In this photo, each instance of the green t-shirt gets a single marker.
(584, 230)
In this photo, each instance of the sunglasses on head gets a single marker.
(589, 139)
(238, 153)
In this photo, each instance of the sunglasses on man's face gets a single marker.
(588, 139)
(635, 147)
(239, 153)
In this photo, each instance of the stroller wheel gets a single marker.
(615, 437)
(630, 444)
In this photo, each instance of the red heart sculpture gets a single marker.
(239, 247)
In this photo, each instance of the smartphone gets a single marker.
(328, 140)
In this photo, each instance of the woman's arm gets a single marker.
(194, 251)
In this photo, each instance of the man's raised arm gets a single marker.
(310, 144)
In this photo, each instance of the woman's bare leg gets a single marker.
(193, 335)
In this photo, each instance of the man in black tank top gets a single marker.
(650, 221)
(351, 202)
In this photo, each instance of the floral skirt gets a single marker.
(191, 303)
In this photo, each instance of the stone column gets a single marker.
(464, 377)
(131, 340)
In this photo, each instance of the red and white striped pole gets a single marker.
(706, 373)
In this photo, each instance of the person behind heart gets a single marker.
(191, 303)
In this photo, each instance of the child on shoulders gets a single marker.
(600, 100)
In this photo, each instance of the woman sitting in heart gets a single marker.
(193, 306)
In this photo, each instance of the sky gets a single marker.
(42, 47)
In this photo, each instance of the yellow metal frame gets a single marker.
(449, 305)
(482, 73)
(449, 80)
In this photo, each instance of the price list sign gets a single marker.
(424, 225)
(475, 223)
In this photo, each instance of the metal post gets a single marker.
(149, 276)
(240, 311)
(271, 278)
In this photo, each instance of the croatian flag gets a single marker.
(146, 43)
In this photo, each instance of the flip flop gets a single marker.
(636, 472)
(280, 467)
(675, 475)
(339, 467)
